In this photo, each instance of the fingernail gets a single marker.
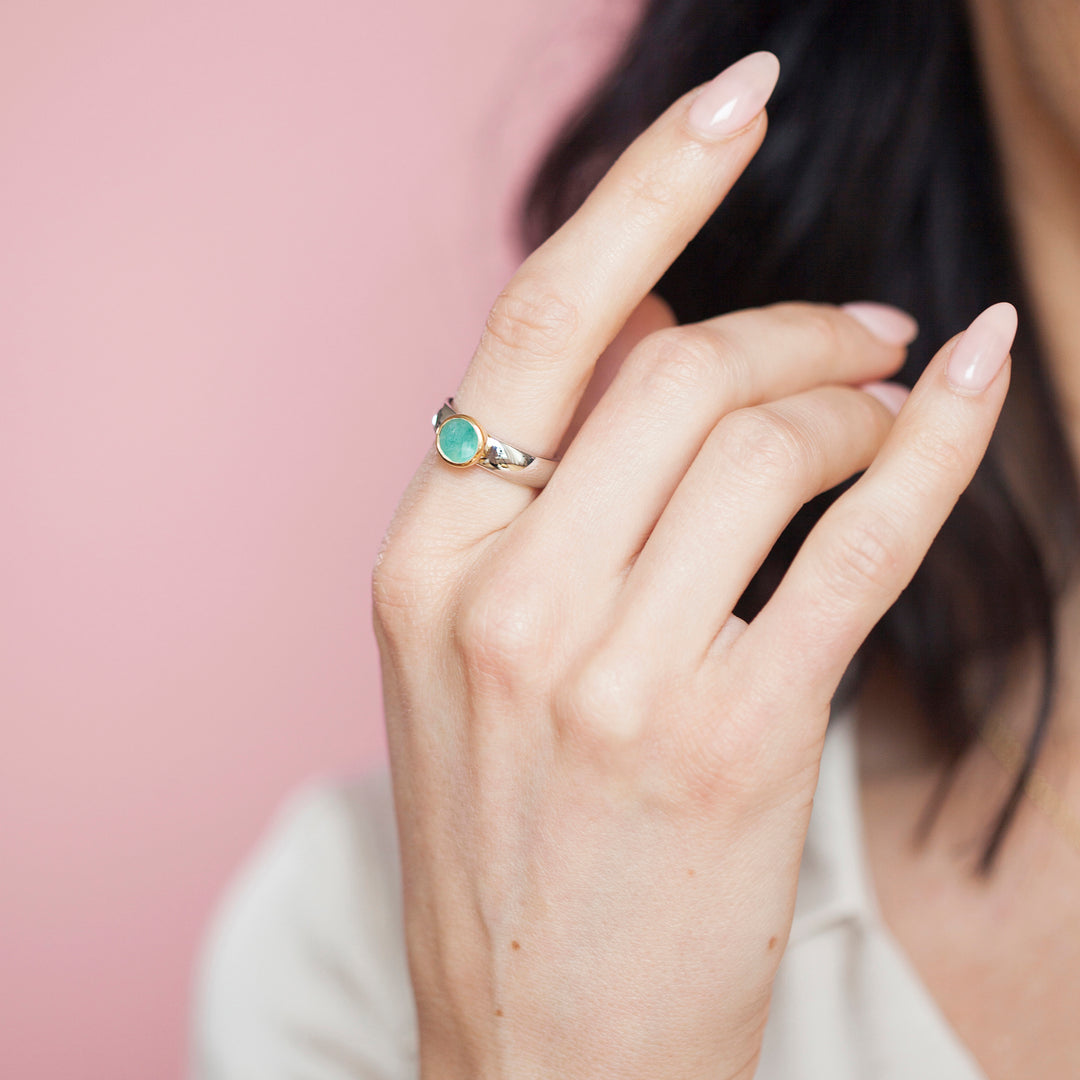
(979, 355)
(735, 96)
(891, 395)
(890, 324)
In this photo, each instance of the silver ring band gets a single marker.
(461, 441)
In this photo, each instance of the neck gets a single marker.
(1040, 157)
(899, 757)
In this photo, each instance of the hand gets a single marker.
(603, 778)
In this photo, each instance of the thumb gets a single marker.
(653, 313)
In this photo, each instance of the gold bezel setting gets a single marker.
(481, 440)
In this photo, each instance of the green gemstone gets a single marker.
(458, 440)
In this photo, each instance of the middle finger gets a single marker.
(758, 466)
(620, 470)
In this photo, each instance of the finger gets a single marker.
(652, 314)
(618, 474)
(572, 295)
(756, 468)
(869, 543)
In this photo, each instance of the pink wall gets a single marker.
(245, 249)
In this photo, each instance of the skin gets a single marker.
(594, 762)
(1001, 958)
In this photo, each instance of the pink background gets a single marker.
(245, 250)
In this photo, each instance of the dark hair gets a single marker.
(877, 179)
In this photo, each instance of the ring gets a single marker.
(461, 442)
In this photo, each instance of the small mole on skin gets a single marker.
(772, 942)
(514, 945)
(498, 1012)
(690, 873)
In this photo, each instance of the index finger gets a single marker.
(571, 296)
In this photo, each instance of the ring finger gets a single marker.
(572, 295)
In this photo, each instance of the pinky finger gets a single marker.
(867, 546)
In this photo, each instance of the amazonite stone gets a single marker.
(458, 440)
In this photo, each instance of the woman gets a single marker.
(608, 682)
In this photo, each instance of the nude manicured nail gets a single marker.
(893, 326)
(735, 96)
(979, 355)
(891, 395)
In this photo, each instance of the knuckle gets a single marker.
(726, 764)
(938, 454)
(714, 776)
(674, 362)
(648, 191)
(866, 554)
(815, 323)
(819, 330)
(532, 319)
(503, 633)
(761, 447)
(600, 702)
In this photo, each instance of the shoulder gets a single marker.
(304, 970)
